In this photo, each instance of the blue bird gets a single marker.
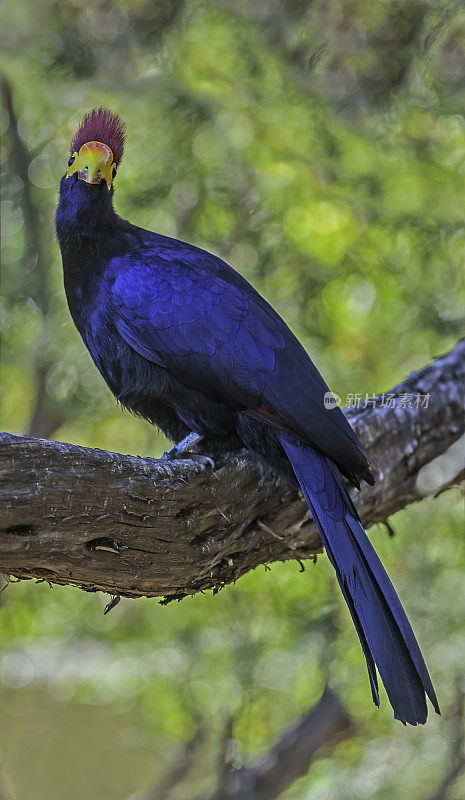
(187, 343)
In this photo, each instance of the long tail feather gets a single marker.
(384, 631)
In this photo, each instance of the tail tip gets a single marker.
(368, 475)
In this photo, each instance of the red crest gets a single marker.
(100, 125)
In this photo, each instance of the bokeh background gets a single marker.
(319, 148)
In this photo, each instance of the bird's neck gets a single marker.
(83, 211)
(86, 226)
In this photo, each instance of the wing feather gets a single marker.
(188, 311)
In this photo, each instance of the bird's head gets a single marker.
(97, 148)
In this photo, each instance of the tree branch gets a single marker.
(324, 724)
(133, 526)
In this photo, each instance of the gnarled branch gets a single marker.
(141, 526)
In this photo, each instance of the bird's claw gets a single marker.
(183, 449)
(206, 460)
(170, 456)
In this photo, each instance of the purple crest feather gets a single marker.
(101, 125)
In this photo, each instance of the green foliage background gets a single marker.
(320, 149)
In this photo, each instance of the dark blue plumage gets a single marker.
(183, 340)
(385, 633)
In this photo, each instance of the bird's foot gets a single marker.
(183, 449)
(206, 460)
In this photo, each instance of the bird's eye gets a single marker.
(71, 160)
(114, 171)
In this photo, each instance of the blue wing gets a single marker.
(188, 311)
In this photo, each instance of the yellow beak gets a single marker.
(93, 163)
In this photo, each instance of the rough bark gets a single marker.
(140, 526)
